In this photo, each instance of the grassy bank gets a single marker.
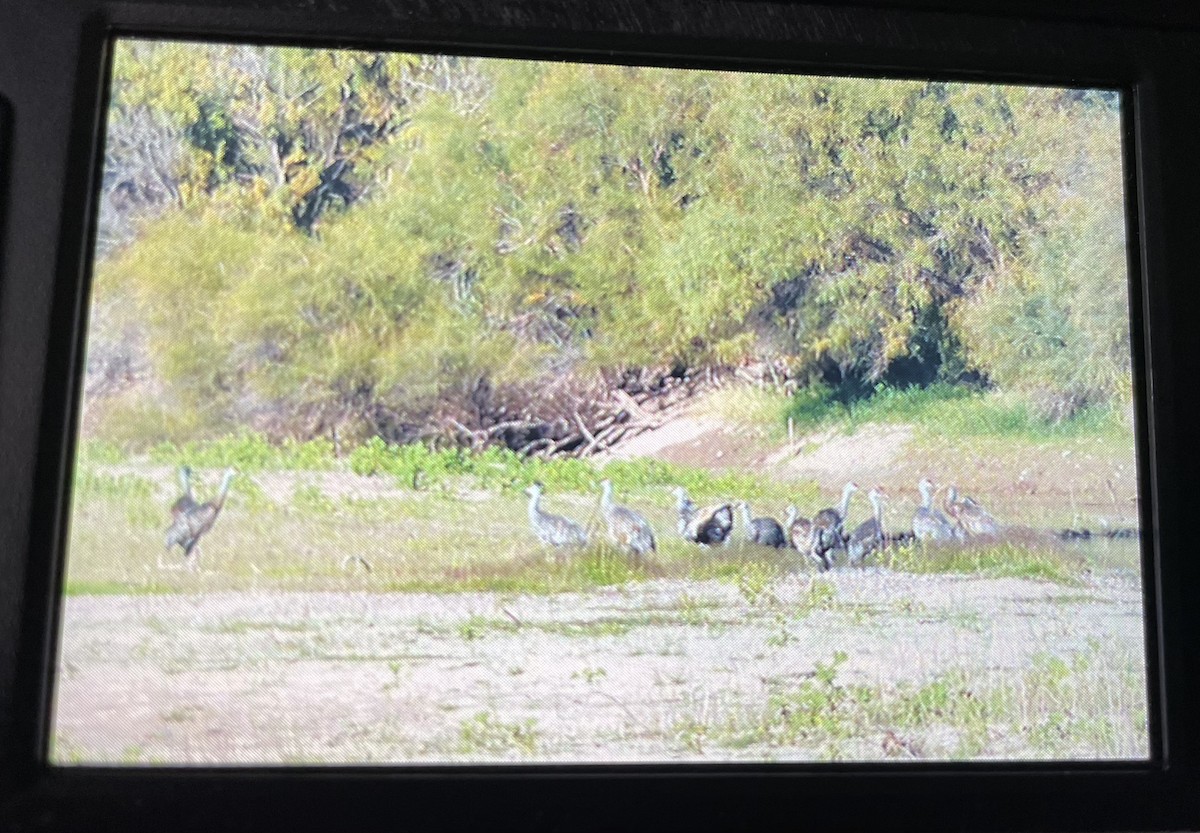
(954, 411)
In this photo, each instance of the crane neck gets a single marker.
(681, 500)
(846, 493)
(606, 497)
(225, 484)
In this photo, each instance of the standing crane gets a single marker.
(191, 524)
(764, 531)
(868, 536)
(553, 530)
(710, 525)
(970, 516)
(186, 502)
(626, 528)
(686, 508)
(929, 524)
(827, 529)
(799, 530)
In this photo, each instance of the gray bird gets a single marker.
(827, 529)
(929, 524)
(626, 528)
(186, 502)
(191, 524)
(553, 530)
(868, 536)
(764, 531)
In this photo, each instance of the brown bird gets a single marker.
(799, 530)
(970, 516)
(191, 524)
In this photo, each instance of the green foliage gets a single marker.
(606, 568)
(91, 484)
(91, 452)
(311, 499)
(818, 706)
(508, 222)
(1007, 559)
(248, 453)
(952, 410)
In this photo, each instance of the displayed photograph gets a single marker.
(442, 409)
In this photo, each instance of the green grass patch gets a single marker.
(1071, 705)
(487, 735)
(952, 411)
(1000, 560)
(248, 453)
(85, 587)
(93, 484)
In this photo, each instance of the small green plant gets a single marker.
(821, 595)
(754, 583)
(692, 733)
(817, 708)
(692, 611)
(782, 634)
(396, 668)
(589, 675)
(486, 733)
(476, 627)
(312, 500)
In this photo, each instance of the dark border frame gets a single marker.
(53, 79)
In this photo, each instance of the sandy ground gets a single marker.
(246, 678)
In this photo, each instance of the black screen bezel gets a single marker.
(1146, 65)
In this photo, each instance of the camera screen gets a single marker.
(461, 410)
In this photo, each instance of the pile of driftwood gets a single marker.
(572, 414)
(573, 417)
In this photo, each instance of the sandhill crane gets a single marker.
(827, 529)
(687, 510)
(970, 516)
(186, 502)
(554, 530)
(764, 531)
(191, 524)
(799, 530)
(710, 525)
(868, 536)
(928, 523)
(626, 528)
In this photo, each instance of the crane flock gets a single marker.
(820, 538)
